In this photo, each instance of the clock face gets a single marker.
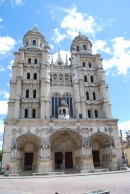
(59, 63)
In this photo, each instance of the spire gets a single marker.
(52, 62)
(59, 60)
(59, 55)
(66, 60)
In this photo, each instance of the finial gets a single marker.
(58, 51)
(52, 58)
(66, 60)
(79, 33)
(35, 26)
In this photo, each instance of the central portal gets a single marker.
(65, 161)
(58, 160)
(66, 149)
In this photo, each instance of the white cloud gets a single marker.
(100, 46)
(51, 46)
(2, 68)
(6, 44)
(1, 20)
(5, 94)
(17, 2)
(120, 56)
(3, 107)
(1, 127)
(37, 12)
(124, 127)
(10, 65)
(58, 36)
(76, 21)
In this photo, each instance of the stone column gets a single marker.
(83, 106)
(47, 93)
(43, 107)
(76, 90)
(18, 95)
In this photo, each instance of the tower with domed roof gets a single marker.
(59, 115)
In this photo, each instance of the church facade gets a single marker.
(59, 114)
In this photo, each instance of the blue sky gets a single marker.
(105, 23)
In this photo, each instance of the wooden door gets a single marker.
(96, 158)
(58, 160)
(28, 161)
(68, 160)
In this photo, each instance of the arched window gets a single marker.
(27, 93)
(27, 43)
(91, 78)
(78, 48)
(68, 100)
(35, 76)
(85, 78)
(64, 111)
(56, 100)
(50, 78)
(87, 95)
(28, 75)
(29, 61)
(84, 47)
(94, 96)
(96, 113)
(55, 78)
(34, 93)
(34, 42)
(89, 64)
(89, 113)
(60, 78)
(83, 64)
(35, 61)
(70, 78)
(66, 78)
(26, 113)
(33, 113)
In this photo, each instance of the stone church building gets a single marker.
(59, 113)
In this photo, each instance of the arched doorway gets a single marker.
(28, 151)
(101, 149)
(66, 149)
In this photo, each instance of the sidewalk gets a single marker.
(63, 175)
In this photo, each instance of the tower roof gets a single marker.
(80, 37)
(35, 32)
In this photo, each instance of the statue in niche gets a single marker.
(86, 142)
(63, 103)
(86, 152)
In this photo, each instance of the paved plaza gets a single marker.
(117, 183)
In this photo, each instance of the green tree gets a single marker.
(0, 155)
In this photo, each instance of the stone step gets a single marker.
(95, 170)
(71, 171)
(26, 173)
